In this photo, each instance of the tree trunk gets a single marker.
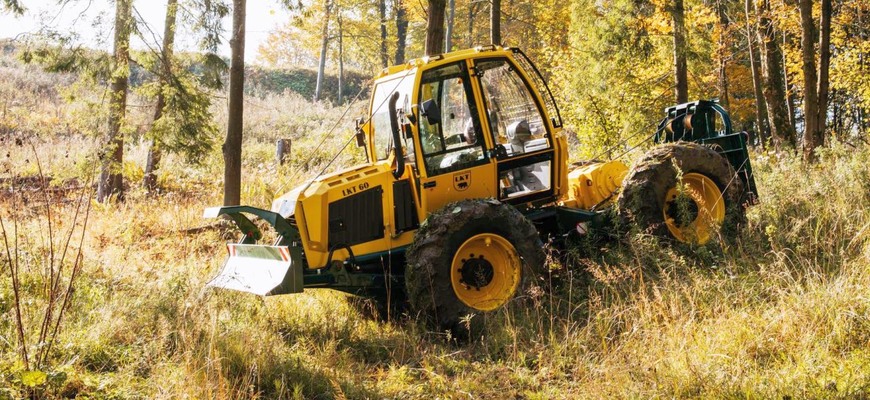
(811, 99)
(111, 179)
(681, 84)
(321, 68)
(790, 97)
(451, 16)
(495, 22)
(382, 11)
(154, 153)
(401, 31)
(282, 151)
(341, 55)
(824, 70)
(760, 110)
(774, 81)
(232, 147)
(723, 53)
(435, 27)
(471, 14)
(836, 125)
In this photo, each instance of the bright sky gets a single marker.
(91, 21)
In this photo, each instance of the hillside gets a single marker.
(784, 313)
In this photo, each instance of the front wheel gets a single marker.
(470, 258)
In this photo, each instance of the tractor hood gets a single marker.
(286, 203)
(338, 210)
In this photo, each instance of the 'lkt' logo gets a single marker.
(461, 181)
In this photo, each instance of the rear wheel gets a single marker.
(684, 191)
(471, 258)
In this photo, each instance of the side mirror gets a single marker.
(431, 112)
(360, 135)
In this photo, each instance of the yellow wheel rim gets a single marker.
(485, 272)
(694, 209)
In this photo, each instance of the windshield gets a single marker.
(450, 134)
(380, 118)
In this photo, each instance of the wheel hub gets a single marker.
(683, 210)
(694, 209)
(476, 272)
(485, 272)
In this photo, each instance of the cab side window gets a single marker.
(514, 119)
(517, 126)
(450, 134)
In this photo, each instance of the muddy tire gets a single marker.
(471, 258)
(653, 192)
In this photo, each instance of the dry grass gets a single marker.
(784, 313)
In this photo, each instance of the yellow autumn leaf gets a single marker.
(33, 378)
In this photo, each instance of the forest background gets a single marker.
(102, 299)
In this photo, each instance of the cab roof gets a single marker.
(446, 57)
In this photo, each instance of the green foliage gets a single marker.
(211, 70)
(33, 379)
(55, 53)
(208, 23)
(598, 103)
(186, 125)
(13, 6)
(261, 81)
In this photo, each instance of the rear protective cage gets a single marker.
(549, 102)
(699, 122)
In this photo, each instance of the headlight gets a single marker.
(285, 207)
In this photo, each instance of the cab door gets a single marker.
(455, 164)
(515, 124)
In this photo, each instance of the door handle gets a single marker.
(429, 184)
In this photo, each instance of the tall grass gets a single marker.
(785, 312)
(41, 233)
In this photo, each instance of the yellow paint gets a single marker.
(560, 165)
(312, 199)
(481, 184)
(494, 267)
(707, 197)
(312, 208)
(595, 183)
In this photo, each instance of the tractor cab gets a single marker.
(469, 124)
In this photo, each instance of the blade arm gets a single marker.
(246, 226)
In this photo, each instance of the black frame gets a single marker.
(556, 119)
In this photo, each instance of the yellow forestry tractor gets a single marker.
(468, 170)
